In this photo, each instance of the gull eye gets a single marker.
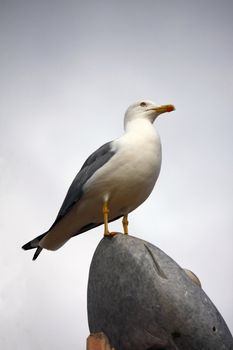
(143, 104)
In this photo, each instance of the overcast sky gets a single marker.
(69, 70)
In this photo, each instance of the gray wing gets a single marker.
(91, 165)
(95, 161)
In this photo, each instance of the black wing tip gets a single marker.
(37, 253)
(31, 245)
(34, 244)
(27, 246)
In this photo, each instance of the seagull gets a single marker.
(113, 181)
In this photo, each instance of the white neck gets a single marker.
(137, 124)
(139, 130)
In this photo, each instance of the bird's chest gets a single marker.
(138, 165)
(128, 178)
(133, 178)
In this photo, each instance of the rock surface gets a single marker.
(142, 300)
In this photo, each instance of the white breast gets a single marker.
(129, 177)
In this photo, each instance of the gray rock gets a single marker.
(142, 300)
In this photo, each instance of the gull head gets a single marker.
(147, 110)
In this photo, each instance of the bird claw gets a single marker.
(110, 234)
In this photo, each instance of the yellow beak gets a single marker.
(163, 108)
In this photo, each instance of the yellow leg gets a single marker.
(105, 212)
(125, 223)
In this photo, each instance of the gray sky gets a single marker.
(69, 69)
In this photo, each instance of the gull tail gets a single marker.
(34, 244)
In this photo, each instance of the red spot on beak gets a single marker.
(170, 108)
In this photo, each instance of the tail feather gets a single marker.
(34, 244)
